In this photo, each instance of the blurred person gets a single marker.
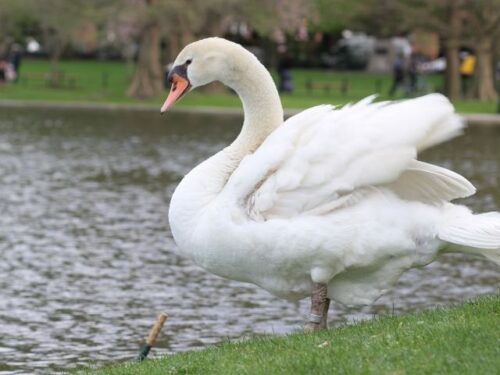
(398, 73)
(14, 58)
(7, 73)
(10, 74)
(467, 68)
(284, 71)
(2, 72)
(414, 72)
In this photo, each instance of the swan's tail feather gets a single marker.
(472, 234)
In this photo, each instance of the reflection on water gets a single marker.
(87, 257)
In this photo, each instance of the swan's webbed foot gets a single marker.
(319, 308)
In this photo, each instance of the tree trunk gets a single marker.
(452, 74)
(56, 75)
(173, 47)
(484, 80)
(147, 80)
(452, 78)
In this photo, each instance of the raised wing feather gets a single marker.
(325, 158)
(429, 183)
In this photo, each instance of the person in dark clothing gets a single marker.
(413, 73)
(285, 73)
(14, 59)
(467, 68)
(3, 72)
(398, 74)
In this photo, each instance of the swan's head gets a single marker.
(205, 61)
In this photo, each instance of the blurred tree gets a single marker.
(482, 29)
(279, 22)
(198, 19)
(452, 44)
(177, 22)
(266, 16)
(381, 18)
(11, 21)
(147, 79)
(444, 17)
(56, 20)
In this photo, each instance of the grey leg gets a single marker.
(324, 319)
(319, 308)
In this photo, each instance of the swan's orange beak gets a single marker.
(180, 86)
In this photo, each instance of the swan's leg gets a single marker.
(319, 308)
(324, 319)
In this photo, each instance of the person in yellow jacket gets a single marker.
(467, 71)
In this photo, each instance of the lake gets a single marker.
(88, 260)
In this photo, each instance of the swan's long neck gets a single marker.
(261, 105)
(263, 113)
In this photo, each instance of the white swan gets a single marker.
(331, 203)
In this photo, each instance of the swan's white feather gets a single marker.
(473, 231)
(318, 157)
(429, 183)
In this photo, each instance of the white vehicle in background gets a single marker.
(434, 66)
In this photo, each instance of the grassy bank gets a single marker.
(458, 340)
(106, 82)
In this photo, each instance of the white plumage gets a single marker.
(330, 196)
(323, 159)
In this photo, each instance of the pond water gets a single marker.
(87, 259)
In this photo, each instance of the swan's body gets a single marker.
(333, 197)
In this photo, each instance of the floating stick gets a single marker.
(153, 334)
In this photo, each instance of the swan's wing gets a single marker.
(429, 183)
(325, 158)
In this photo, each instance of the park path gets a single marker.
(483, 119)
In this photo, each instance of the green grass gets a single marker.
(459, 340)
(90, 87)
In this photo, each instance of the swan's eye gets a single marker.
(189, 61)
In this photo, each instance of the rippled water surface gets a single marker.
(88, 260)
